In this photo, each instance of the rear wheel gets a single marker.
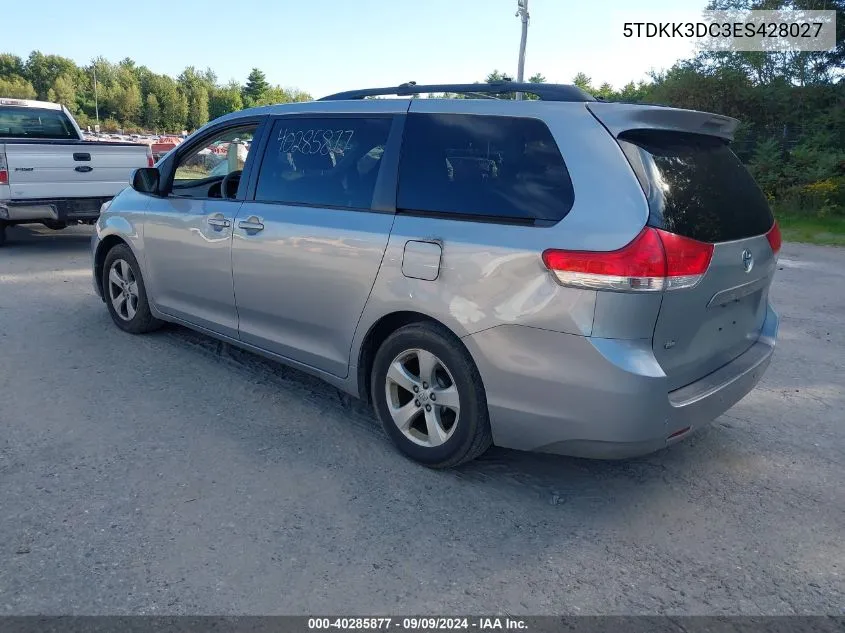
(428, 395)
(2, 233)
(125, 294)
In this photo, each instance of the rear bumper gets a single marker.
(54, 209)
(600, 398)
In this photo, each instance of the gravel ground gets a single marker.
(168, 474)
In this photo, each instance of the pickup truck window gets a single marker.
(25, 122)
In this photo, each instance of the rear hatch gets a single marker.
(697, 188)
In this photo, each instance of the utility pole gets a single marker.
(96, 103)
(522, 12)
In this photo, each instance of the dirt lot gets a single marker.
(164, 474)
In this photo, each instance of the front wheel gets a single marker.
(125, 294)
(428, 395)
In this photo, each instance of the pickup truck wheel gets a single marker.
(2, 233)
(125, 294)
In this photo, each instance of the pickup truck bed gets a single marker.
(57, 181)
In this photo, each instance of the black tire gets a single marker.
(142, 321)
(471, 435)
(2, 233)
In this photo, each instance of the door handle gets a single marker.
(219, 222)
(251, 224)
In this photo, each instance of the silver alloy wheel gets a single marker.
(422, 397)
(123, 289)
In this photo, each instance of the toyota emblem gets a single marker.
(747, 260)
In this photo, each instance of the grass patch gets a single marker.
(828, 231)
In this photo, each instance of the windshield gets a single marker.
(23, 122)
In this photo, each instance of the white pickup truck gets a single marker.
(49, 174)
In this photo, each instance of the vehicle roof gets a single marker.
(616, 117)
(369, 105)
(489, 90)
(354, 100)
(29, 103)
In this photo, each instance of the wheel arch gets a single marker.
(106, 244)
(377, 334)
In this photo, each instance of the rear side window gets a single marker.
(696, 186)
(330, 162)
(494, 167)
(27, 122)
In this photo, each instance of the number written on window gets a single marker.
(331, 162)
(314, 141)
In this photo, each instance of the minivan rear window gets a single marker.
(696, 186)
(25, 122)
(497, 168)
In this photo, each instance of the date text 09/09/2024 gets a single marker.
(417, 623)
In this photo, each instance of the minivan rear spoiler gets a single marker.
(623, 117)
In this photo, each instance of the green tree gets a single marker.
(798, 67)
(583, 82)
(11, 66)
(496, 77)
(64, 91)
(180, 112)
(300, 95)
(209, 78)
(537, 78)
(17, 88)
(277, 94)
(606, 92)
(173, 103)
(152, 112)
(274, 95)
(197, 106)
(767, 165)
(225, 100)
(127, 103)
(634, 92)
(42, 70)
(256, 86)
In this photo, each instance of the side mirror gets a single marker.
(145, 180)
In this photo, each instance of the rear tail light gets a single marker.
(4, 173)
(774, 238)
(654, 261)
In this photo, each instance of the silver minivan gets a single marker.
(552, 274)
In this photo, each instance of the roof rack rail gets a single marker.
(545, 92)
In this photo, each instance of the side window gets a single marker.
(224, 153)
(331, 162)
(489, 166)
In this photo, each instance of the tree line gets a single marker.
(791, 105)
(133, 98)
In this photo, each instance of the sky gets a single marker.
(324, 46)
